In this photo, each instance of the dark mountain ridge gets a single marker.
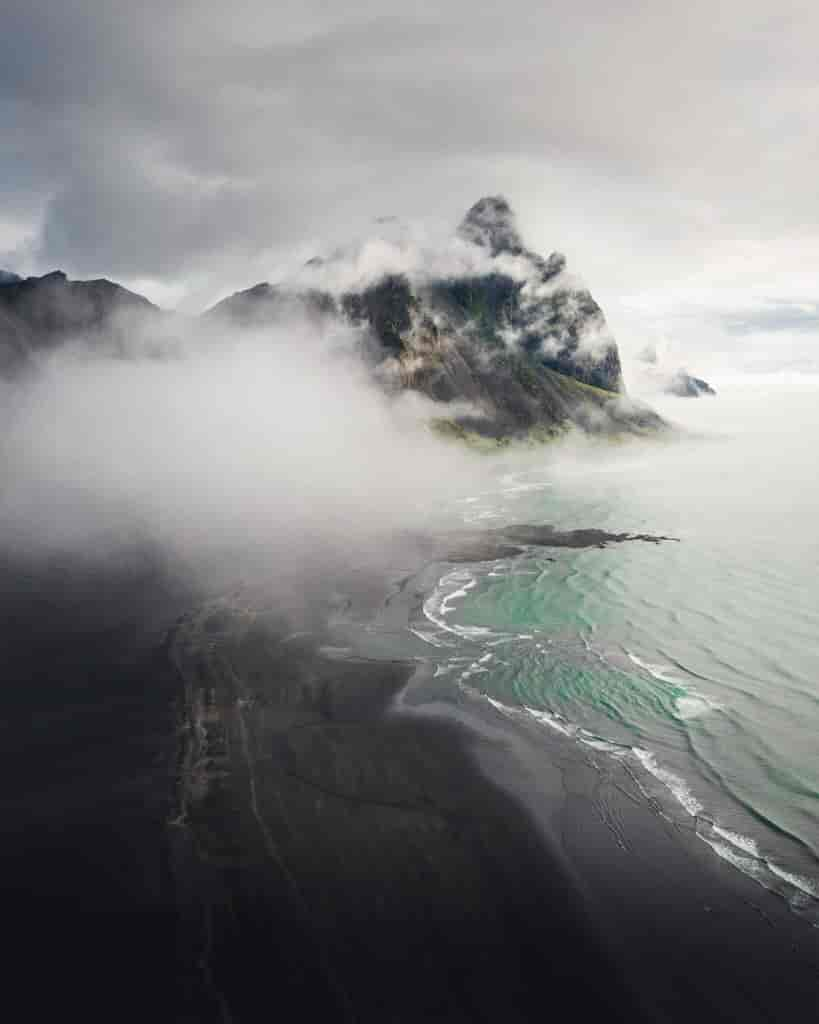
(510, 333)
(508, 343)
(40, 313)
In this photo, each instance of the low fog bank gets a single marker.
(281, 448)
(277, 444)
(739, 471)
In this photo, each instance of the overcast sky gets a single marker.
(184, 146)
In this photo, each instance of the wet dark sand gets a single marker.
(411, 888)
(700, 940)
(329, 857)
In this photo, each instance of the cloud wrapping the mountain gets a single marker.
(241, 441)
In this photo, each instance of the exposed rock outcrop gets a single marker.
(684, 385)
(486, 322)
(508, 342)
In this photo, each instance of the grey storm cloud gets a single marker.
(163, 140)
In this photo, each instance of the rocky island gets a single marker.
(684, 385)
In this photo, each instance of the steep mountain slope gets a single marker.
(508, 343)
(482, 320)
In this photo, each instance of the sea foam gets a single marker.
(739, 850)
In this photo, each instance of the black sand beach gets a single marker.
(212, 812)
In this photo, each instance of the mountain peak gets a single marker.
(491, 223)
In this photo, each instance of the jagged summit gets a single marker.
(491, 223)
(490, 323)
(477, 321)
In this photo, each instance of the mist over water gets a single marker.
(695, 662)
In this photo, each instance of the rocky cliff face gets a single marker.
(509, 343)
(487, 323)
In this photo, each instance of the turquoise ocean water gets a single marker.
(695, 662)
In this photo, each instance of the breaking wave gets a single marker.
(514, 664)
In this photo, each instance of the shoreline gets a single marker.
(676, 931)
(657, 779)
(655, 888)
(386, 847)
(336, 858)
